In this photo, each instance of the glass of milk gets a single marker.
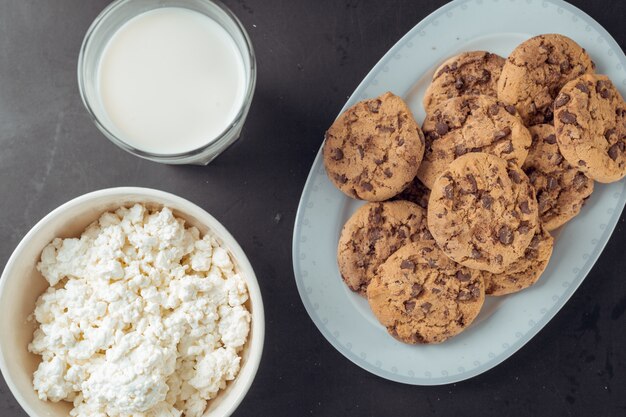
(168, 80)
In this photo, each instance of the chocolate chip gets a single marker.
(400, 141)
(609, 133)
(435, 290)
(401, 119)
(583, 87)
(524, 207)
(416, 289)
(472, 181)
(336, 154)
(407, 264)
(542, 199)
(579, 180)
(388, 173)
(487, 201)
(485, 76)
(553, 183)
(499, 259)
(614, 151)
(565, 66)
(381, 161)
(472, 294)
(582, 163)
(376, 217)
(558, 158)
(458, 84)
(361, 151)
(441, 128)
(341, 179)
(500, 134)
(462, 277)
(464, 296)
(475, 291)
(385, 129)
(531, 254)
(505, 235)
(448, 191)
(374, 105)
(534, 243)
(551, 139)
(602, 88)
(426, 307)
(561, 100)
(494, 109)
(367, 186)
(460, 150)
(567, 117)
(514, 176)
(475, 254)
(523, 228)
(551, 60)
(443, 71)
(409, 306)
(511, 109)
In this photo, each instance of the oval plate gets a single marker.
(505, 324)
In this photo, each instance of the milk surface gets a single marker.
(171, 80)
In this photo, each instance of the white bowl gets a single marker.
(21, 284)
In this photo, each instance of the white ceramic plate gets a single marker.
(505, 324)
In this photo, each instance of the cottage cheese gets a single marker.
(143, 317)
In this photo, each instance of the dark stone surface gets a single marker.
(311, 55)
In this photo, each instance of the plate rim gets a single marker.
(545, 319)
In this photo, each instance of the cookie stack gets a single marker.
(463, 206)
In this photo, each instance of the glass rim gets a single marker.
(168, 157)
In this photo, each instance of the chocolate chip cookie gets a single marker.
(590, 123)
(561, 188)
(483, 212)
(471, 124)
(375, 231)
(524, 272)
(416, 193)
(421, 296)
(534, 73)
(469, 73)
(373, 150)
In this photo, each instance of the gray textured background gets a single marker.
(311, 56)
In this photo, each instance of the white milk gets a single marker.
(171, 80)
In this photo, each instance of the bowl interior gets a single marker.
(22, 284)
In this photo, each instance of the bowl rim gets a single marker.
(258, 322)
